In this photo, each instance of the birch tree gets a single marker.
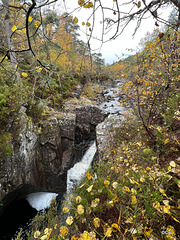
(9, 33)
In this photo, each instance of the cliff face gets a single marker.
(42, 155)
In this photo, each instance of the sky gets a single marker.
(116, 49)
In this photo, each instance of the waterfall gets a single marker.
(78, 171)
(41, 200)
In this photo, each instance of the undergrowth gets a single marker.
(128, 195)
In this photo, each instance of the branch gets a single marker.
(27, 32)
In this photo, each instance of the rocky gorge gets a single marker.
(43, 154)
(41, 157)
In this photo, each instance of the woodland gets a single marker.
(42, 62)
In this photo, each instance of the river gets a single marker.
(27, 208)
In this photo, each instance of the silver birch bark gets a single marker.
(13, 57)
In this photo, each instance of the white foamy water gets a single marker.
(78, 171)
(41, 200)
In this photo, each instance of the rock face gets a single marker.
(42, 156)
(105, 132)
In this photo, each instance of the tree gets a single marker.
(9, 33)
(114, 16)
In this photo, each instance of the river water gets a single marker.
(78, 171)
(112, 96)
(41, 200)
(112, 105)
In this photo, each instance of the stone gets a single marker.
(43, 154)
(105, 131)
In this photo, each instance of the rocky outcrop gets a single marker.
(105, 132)
(42, 155)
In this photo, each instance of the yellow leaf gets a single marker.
(126, 189)
(88, 175)
(115, 184)
(95, 202)
(88, 24)
(172, 164)
(44, 237)
(14, 28)
(29, 19)
(115, 227)
(37, 24)
(139, 144)
(46, 231)
(169, 169)
(133, 191)
(24, 30)
(69, 220)
(38, 69)
(22, 47)
(24, 74)
(90, 188)
(78, 199)
(166, 209)
(37, 234)
(175, 219)
(83, 23)
(133, 199)
(90, 5)
(63, 230)
(126, 230)
(96, 222)
(80, 209)
(81, 2)
(171, 231)
(65, 209)
(75, 20)
(119, 220)
(139, 4)
(166, 141)
(108, 232)
(106, 183)
(166, 202)
(147, 231)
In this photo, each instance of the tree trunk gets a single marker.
(13, 57)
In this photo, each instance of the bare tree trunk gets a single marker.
(13, 57)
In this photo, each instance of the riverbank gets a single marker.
(126, 195)
(131, 192)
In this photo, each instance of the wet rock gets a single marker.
(42, 156)
(105, 131)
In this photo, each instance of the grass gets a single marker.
(129, 195)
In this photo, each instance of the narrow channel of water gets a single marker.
(78, 171)
(113, 97)
(18, 213)
(39, 201)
